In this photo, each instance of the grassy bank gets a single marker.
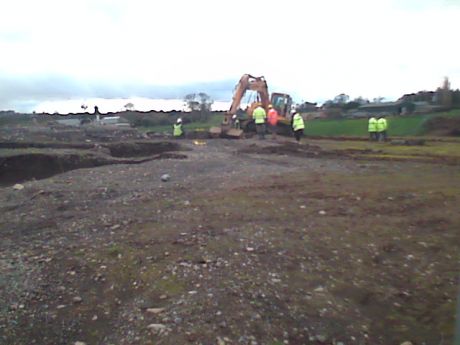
(398, 125)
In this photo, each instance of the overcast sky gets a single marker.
(58, 50)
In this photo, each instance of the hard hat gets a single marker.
(179, 120)
(234, 116)
(270, 106)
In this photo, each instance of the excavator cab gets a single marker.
(282, 102)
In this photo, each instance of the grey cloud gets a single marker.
(23, 93)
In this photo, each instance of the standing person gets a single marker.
(272, 120)
(178, 131)
(259, 115)
(235, 122)
(372, 128)
(297, 126)
(97, 113)
(382, 128)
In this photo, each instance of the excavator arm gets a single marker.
(248, 82)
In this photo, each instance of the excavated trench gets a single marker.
(20, 167)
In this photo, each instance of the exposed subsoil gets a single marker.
(248, 243)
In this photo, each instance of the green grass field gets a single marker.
(397, 125)
(214, 120)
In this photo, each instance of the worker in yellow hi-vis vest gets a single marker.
(382, 126)
(178, 131)
(297, 126)
(259, 115)
(372, 128)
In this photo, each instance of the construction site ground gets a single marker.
(244, 242)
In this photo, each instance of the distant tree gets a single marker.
(378, 99)
(444, 94)
(205, 101)
(361, 100)
(328, 104)
(341, 99)
(191, 102)
(129, 106)
(200, 103)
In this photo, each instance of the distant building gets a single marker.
(307, 107)
(384, 108)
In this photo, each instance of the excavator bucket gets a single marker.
(231, 133)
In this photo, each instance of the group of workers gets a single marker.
(377, 128)
(261, 119)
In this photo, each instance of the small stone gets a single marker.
(18, 186)
(249, 249)
(77, 299)
(163, 297)
(116, 226)
(321, 338)
(61, 306)
(193, 292)
(220, 341)
(319, 289)
(94, 318)
(79, 343)
(156, 327)
(155, 310)
(407, 343)
(165, 177)
(322, 212)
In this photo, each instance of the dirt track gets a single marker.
(248, 243)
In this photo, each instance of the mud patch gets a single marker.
(141, 149)
(290, 149)
(443, 126)
(23, 167)
(45, 145)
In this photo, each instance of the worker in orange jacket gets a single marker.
(272, 120)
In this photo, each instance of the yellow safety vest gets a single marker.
(381, 125)
(259, 115)
(372, 127)
(297, 122)
(177, 130)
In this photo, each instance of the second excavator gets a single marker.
(280, 101)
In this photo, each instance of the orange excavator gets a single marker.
(280, 101)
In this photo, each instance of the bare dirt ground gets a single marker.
(249, 242)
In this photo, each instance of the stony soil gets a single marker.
(248, 242)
